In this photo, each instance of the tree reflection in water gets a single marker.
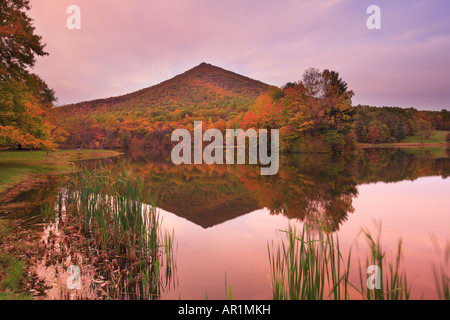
(308, 187)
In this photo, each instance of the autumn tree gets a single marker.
(333, 84)
(25, 99)
(22, 118)
(296, 119)
(329, 102)
(318, 107)
(264, 114)
(313, 82)
(373, 135)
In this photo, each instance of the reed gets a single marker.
(393, 279)
(114, 212)
(47, 212)
(441, 267)
(309, 265)
(227, 288)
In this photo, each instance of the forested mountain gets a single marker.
(202, 86)
(217, 96)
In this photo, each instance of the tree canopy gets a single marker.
(318, 108)
(25, 99)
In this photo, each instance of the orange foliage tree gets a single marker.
(25, 99)
(23, 118)
(318, 107)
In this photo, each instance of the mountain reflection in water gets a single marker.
(308, 187)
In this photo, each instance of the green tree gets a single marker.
(424, 129)
(400, 132)
(125, 139)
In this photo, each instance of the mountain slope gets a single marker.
(146, 117)
(199, 86)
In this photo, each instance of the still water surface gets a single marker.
(224, 217)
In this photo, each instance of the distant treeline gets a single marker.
(393, 124)
(366, 124)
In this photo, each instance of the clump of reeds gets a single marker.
(309, 265)
(393, 283)
(123, 223)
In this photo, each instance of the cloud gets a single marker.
(125, 46)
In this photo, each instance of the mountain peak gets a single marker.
(233, 82)
(198, 87)
(204, 92)
(204, 66)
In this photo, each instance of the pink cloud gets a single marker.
(123, 47)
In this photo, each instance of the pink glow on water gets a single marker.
(407, 210)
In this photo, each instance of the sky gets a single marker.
(127, 45)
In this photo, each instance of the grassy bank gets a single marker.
(436, 140)
(19, 166)
(19, 172)
(12, 270)
(438, 136)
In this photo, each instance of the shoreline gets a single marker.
(18, 243)
(26, 172)
(400, 145)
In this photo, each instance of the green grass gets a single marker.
(11, 272)
(438, 136)
(18, 166)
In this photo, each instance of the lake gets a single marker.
(225, 217)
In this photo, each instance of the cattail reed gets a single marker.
(123, 223)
